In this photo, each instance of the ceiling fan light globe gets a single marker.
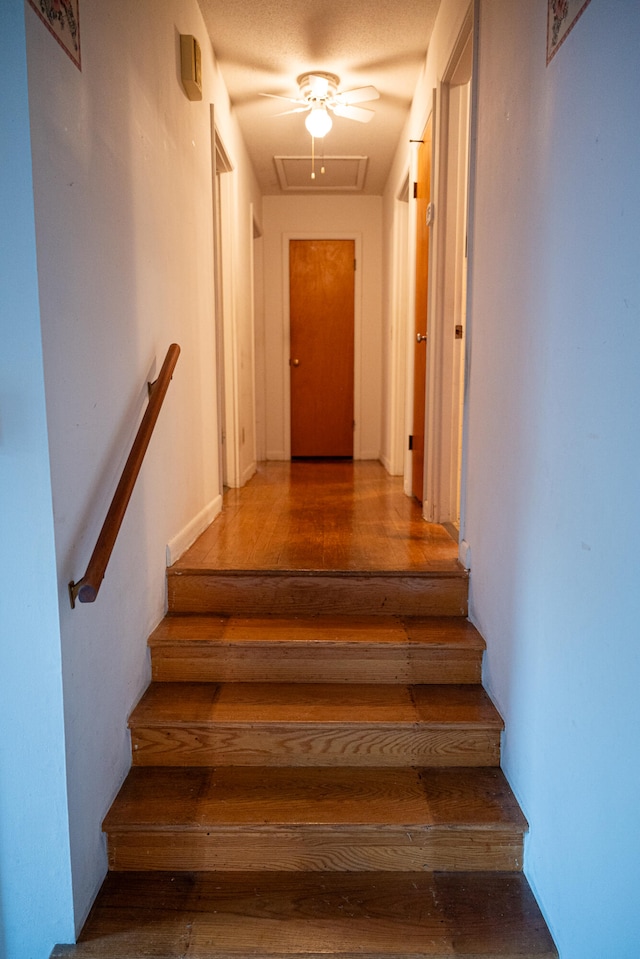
(318, 122)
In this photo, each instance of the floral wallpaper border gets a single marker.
(62, 19)
(562, 17)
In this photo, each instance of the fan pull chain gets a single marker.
(313, 158)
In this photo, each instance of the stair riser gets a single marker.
(291, 595)
(318, 849)
(287, 663)
(311, 745)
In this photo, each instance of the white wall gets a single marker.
(123, 203)
(36, 908)
(553, 452)
(333, 217)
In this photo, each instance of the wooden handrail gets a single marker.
(86, 589)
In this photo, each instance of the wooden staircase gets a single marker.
(311, 780)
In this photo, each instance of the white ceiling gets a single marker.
(262, 46)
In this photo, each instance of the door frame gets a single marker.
(400, 370)
(222, 168)
(357, 333)
(443, 478)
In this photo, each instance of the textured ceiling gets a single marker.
(262, 47)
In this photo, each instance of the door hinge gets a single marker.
(411, 442)
(459, 331)
(415, 191)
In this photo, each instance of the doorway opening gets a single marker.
(423, 210)
(321, 337)
(345, 349)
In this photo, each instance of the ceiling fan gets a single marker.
(319, 93)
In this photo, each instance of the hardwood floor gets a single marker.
(349, 524)
(315, 767)
(321, 515)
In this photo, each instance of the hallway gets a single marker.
(321, 515)
(109, 191)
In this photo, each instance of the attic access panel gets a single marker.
(342, 173)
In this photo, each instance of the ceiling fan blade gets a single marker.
(286, 113)
(361, 114)
(318, 86)
(274, 96)
(360, 95)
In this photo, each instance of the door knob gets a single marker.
(421, 337)
(295, 362)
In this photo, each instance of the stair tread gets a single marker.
(347, 915)
(448, 570)
(165, 798)
(188, 704)
(436, 631)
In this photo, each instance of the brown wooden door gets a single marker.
(422, 299)
(321, 299)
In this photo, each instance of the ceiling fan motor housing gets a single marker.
(318, 87)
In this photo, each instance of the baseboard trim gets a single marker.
(279, 456)
(249, 472)
(464, 554)
(183, 540)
